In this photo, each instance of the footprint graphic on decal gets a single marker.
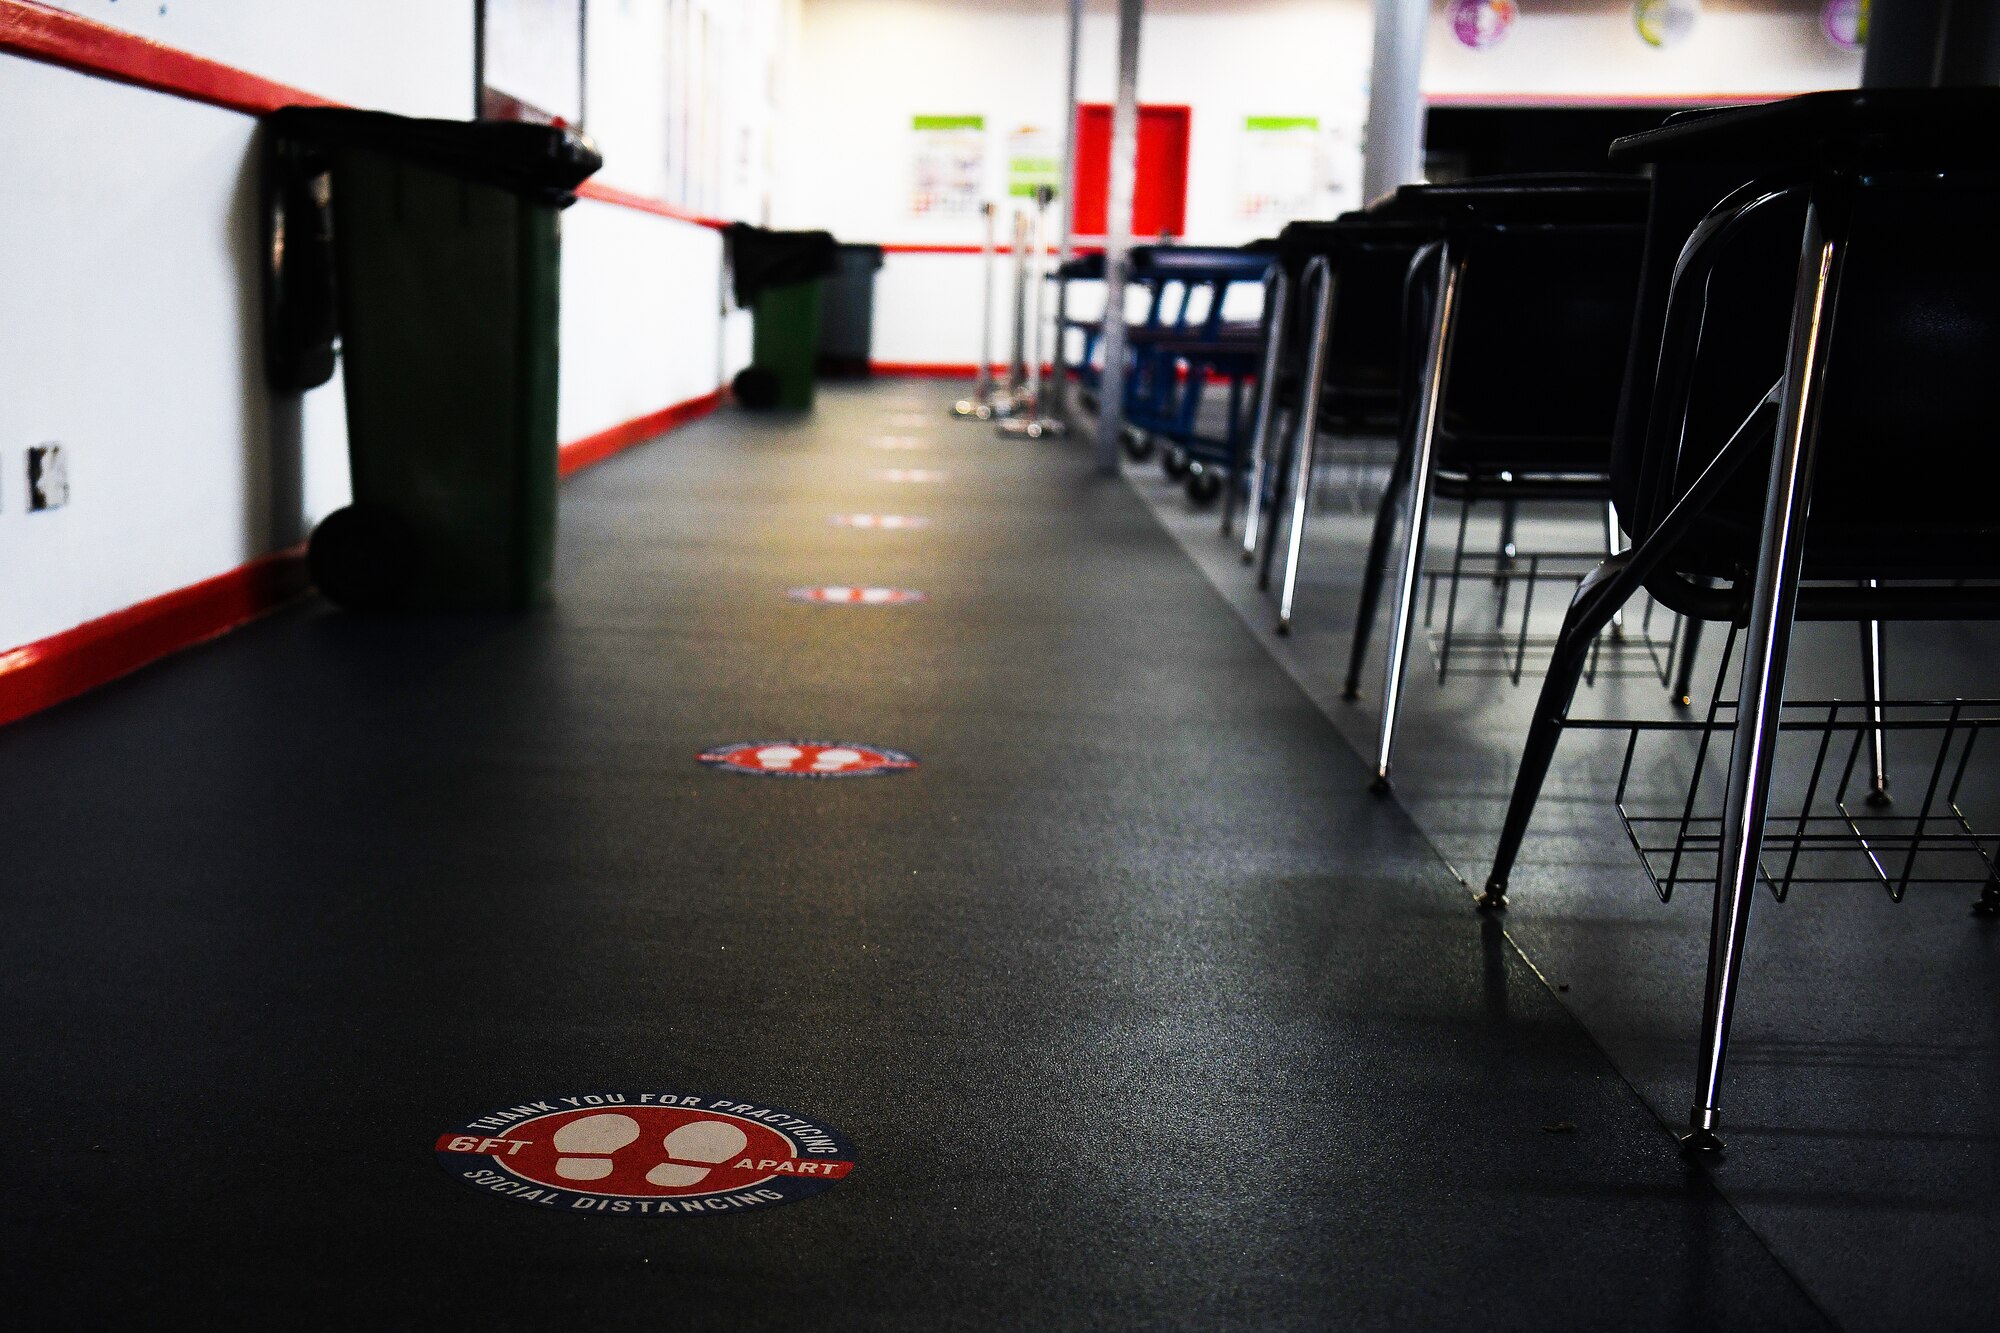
(600, 1135)
(710, 1141)
(778, 756)
(832, 761)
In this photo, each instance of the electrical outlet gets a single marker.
(48, 477)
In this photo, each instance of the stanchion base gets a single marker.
(1034, 428)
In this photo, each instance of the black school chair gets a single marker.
(1520, 317)
(1806, 428)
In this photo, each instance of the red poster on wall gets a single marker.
(1159, 203)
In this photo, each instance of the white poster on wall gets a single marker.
(948, 165)
(1282, 169)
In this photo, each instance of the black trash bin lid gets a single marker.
(761, 258)
(545, 162)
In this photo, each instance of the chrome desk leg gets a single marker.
(1612, 546)
(1423, 458)
(1766, 646)
(1321, 272)
(1275, 305)
(1872, 670)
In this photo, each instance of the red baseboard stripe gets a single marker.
(917, 248)
(49, 671)
(940, 370)
(62, 666)
(579, 454)
(930, 370)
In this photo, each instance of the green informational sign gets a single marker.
(1033, 161)
(948, 165)
(1281, 122)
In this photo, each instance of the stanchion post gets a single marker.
(1031, 420)
(981, 403)
(1008, 403)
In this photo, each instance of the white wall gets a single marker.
(1589, 48)
(413, 57)
(130, 325)
(870, 65)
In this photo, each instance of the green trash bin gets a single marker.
(777, 275)
(441, 245)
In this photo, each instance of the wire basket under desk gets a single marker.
(1826, 824)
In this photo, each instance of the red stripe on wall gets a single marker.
(611, 194)
(58, 38)
(49, 671)
(41, 33)
(580, 454)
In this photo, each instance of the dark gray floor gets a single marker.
(1863, 1103)
(1139, 1011)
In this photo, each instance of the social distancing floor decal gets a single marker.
(879, 522)
(646, 1153)
(841, 594)
(807, 759)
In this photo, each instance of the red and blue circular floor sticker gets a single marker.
(646, 1154)
(841, 594)
(807, 759)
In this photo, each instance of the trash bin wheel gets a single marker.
(1174, 462)
(1204, 484)
(361, 558)
(1138, 445)
(756, 388)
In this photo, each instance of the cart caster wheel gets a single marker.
(1175, 463)
(361, 558)
(1988, 905)
(1138, 445)
(756, 388)
(1203, 485)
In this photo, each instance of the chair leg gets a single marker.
(1281, 484)
(1606, 589)
(1766, 649)
(1683, 689)
(1403, 624)
(1872, 685)
(1373, 573)
(1612, 545)
(1598, 598)
(1277, 304)
(1308, 434)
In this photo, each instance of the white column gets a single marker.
(1393, 148)
(1066, 200)
(1118, 236)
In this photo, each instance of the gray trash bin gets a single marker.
(847, 311)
